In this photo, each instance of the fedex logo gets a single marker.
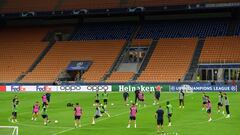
(18, 88)
(43, 88)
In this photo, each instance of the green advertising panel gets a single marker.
(143, 87)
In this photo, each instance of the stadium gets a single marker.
(103, 67)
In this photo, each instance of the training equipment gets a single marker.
(8, 130)
(56, 121)
(112, 104)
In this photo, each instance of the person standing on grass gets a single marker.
(181, 99)
(227, 105)
(36, 108)
(133, 113)
(157, 95)
(136, 95)
(14, 113)
(125, 97)
(97, 98)
(45, 115)
(209, 108)
(44, 100)
(105, 97)
(169, 112)
(159, 116)
(77, 115)
(220, 103)
(141, 98)
(97, 114)
(204, 101)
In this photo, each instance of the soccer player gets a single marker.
(105, 97)
(35, 112)
(44, 100)
(15, 100)
(169, 112)
(141, 97)
(157, 95)
(181, 99)
(104, 110)
(97, 114)
(125, 97)
(159, 116)
(45, 115)
(209, 108)
(14, 113)
(48, 95)
(136, 95)
(227, 105)
(220, 103)
(133, 113)
(204, 101)
(77, 114)
(97, 98)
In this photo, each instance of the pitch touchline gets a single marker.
(113, 116)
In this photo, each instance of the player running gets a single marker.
(125, 97)
(141, 98)
(169, 112)
(227, 105)
(97, 114)
(133, 113)
(97, 98)
(45, 115)
(204, 101)
(104, 110)
(220, 103)
(44, 100)
(157, 95)
(77, 115)
(105, 97)
(35, 112)
(181, 99)
(209, 108)
(48, 95)
(159, 116)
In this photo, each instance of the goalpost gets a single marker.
(8, 130)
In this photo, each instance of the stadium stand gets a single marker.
(141, 42)
(221, 50)
(169, 56)
(17, 57)
(104, 31)
(101, 53)
(120, 77)
(181, 29)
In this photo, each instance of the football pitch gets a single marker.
(191, 120)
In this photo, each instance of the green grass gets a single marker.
(189, 121)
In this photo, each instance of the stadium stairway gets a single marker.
(121, 54)
(38, 60)
(194, 64)
(146, 59)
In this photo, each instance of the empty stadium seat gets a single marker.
(120, 77)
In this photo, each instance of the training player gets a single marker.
(157, 95)
(133, 113)
(48, 95)
(35, 112)
(105, 97)
(169, 112)
(125, 97)
(77, 115)
(15, 100)
(97, 98)
(220, 103)
(45, 115)
(159, 116)
(136, 95)
(209, 108)
(14, 113)
(104, 110)
(44, 100)
(181, 99)
(97, 114)
(204, 101)
(227, 105)
(141, 98)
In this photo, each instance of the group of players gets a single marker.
(139, 100)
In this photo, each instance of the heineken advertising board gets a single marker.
(143, 87)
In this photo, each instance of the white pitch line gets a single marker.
(113, 116)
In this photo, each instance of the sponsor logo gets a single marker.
(2, 88)
(18, 88)
(42, 88)
(138, 87)
(70, 88)
(97, 87)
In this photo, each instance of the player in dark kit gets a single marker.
(136, 95)
(48, 95)
(125, 97)
(227, 105)
(159, 116)
(157, 95)
(181, 99)
(97, 98)
(15, 100)
(105, 97)
(220, 103)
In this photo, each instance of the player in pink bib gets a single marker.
(141, 98)
(209, 108)
(35, 112)
(44, 100)
(133, 113)
(77, 114)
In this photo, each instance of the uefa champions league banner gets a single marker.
(202, 87)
